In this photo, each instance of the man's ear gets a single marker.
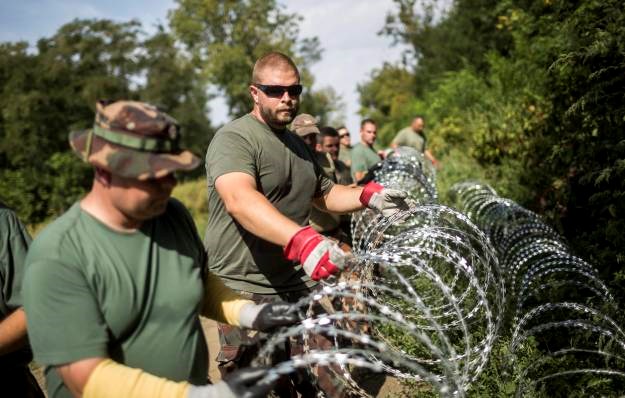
(103, 176)
(254, 93)
(318, 147)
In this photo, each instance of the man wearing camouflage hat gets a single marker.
(113, 287)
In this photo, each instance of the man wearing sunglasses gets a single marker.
(262, 183)
(345, 151)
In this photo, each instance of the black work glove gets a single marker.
(276, 314)
(242, 383)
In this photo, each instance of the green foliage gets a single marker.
(193, 194)
(52, 91)
(226, 38)
(528, 97)
(386, 98)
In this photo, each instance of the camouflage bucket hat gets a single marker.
(305, 124)
(133, 139)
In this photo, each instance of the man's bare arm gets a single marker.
(359, 175)
(252, 210)
(431, 157)
(13, 332)
(340, 199)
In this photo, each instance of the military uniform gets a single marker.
(410, 138)
(15, 378)
(132, 296)
(345, 155)
(363, 158)
(288, 175)
(328, 224)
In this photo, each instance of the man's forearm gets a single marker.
(259, 217)
(13, 332)
(341, 199)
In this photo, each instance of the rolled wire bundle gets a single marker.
(405, 169)
(423, 300)
(432, 302)
(558, 307)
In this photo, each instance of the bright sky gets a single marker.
(347, 30)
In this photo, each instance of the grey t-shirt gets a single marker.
(288, 175)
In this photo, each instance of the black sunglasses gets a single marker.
(278, 91)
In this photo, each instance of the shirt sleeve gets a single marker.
(64, 320)
(229, 152)
(324, 184)
(13, 249)
(399, 139)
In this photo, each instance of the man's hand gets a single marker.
(265, 317)
(243, 383)
(319, 256)
(385, 201)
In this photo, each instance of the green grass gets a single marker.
(194, 196)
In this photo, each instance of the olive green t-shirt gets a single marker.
(363, 158)
(14, 242)
(322, 221)
(90, 291)
(287, 174)
(345, 155)
(408, 137)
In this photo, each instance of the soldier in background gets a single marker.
(345, 153)
(414, 136)
(15, 377)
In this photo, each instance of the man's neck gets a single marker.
(98, 204)
(257, 115)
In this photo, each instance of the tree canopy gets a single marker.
(527, 95)
(51, 89)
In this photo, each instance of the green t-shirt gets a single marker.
(287, 174)
(345, 155)
(363, 157)
(90, 291)
(408, 137)
(14, 242)
(322, 221)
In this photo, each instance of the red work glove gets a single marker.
(385, 201)
(319, 256)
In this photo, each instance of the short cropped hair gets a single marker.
(365, 121)
(328, 131)
(273, 59)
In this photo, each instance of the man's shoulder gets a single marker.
(179, 214)
(244, 125)
(8, 219)
(340, 165)
(245, 130)
(52, 242)
(359, 148)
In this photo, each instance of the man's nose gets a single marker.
(286, 97)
